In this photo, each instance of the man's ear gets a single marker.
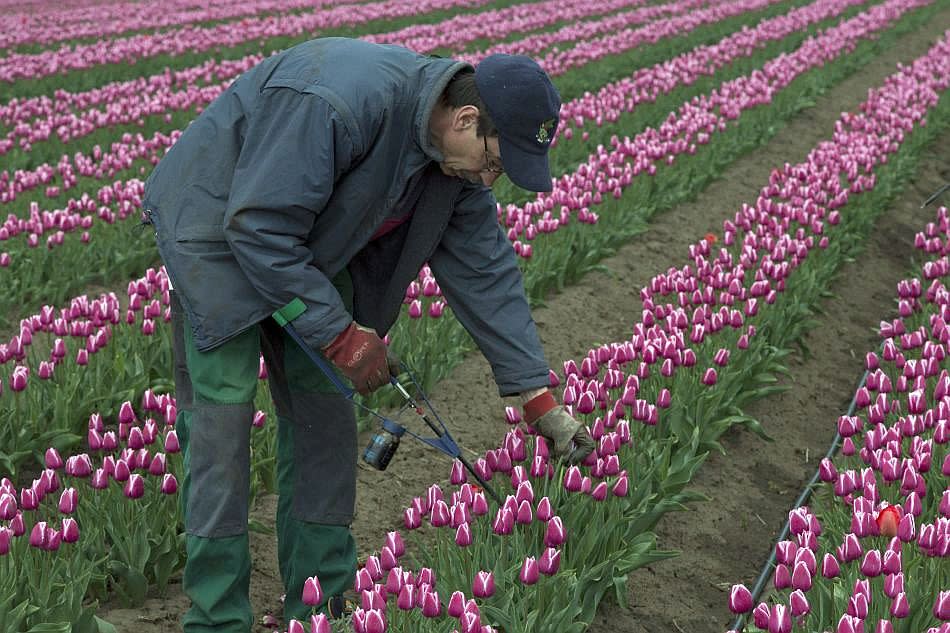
(465, 117)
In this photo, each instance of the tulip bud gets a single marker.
(67, 501)
(740, 599)
(320, 624)
(550, 561)
(941, 608)
(484, 585)
(799, 603)
(312, 592)
(70, 532)
(169, 484)
(529, 570)
(135, 486)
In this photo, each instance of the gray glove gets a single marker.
(570, 438)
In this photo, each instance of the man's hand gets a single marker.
(363, 358)
(571, 439)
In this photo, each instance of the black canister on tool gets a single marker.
(383, 445)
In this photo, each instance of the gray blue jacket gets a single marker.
(280, 183)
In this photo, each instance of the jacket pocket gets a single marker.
(202, 239)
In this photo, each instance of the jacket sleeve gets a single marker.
(295, 147)
(476, 268)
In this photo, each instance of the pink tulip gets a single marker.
(456, 605)
(6, 535)
(53, 459)
(740, 599)
(135, 486)
(431, 607)
(319, 623)
(67, 501)
(169, 484)
(529, 571)
(483, 585)
(830, 567)
(550, 561)
(38, 535)
(798, 603)
(463, 535)
(544, 511)
(801, 577)
(900, 608)
(780, 620)
(941, 608)
(70, 532)
(709, 377)
(407, 597)
(555, 535)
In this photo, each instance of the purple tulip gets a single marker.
(709, 378)
(760, 615)
(407, 597)
(319, 623)
(529, 571)
(941, 608)
(830, 567)
(599, 493)
(783, 577)
(67, 501)
(6, 535)
(259, 419)
(70, 532)
(893, 585)
(544, 511)
(463, 535)
(38, 534)
(456, 605)
(169, 484)
(849, 624)
(900, 607)
(550, 561)
(740, 599)
(871, 565)
(484, 585)
(555, 535)
(431, 607)
(884, 626)
(134, 487)
(387, 559)
(801, 577)
(798, 603)
(780, 620)
(53, 459)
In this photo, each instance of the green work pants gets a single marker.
(316, 471)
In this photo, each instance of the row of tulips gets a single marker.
(881, 521)
(51, 24)
(95, 330)
(494, 557)
(25, 129)
(121, 155)
(100, 523)
(40, 401)
(33, 268)
(198, 39)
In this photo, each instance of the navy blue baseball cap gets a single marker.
(524, 105)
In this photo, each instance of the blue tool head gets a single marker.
(396, 429)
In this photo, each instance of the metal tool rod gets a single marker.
(936, 194)
(468, 466)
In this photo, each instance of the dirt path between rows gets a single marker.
(723, 541)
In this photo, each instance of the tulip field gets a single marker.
(662, 100)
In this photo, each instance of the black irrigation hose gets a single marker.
(766, 572)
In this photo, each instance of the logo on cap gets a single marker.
(545, 131)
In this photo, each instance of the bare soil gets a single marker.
(752, 487)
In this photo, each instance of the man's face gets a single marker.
(467, 155)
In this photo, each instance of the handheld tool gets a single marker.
(384, 443)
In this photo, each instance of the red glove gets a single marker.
(362, 357)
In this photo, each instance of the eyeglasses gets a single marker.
(489, 166)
